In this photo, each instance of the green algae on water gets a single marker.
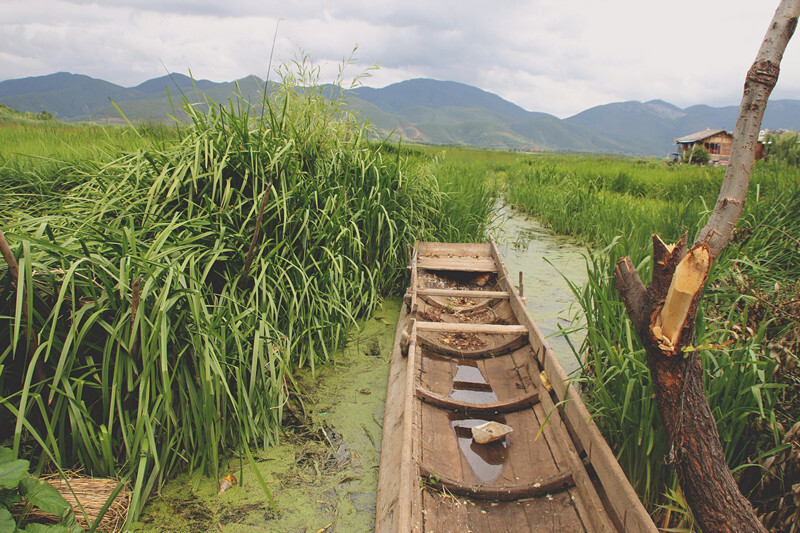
(324, 473)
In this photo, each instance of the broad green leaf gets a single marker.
(44, 496)
(47, 528)
(7, 522)
(12, 473)
(9, 497)
(6, 455)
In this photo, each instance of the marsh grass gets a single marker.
(748, 315)
(136, 344)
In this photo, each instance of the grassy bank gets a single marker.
(167, 295)
(747, 329)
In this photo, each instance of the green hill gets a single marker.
(419, 110)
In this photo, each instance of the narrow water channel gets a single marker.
(545, 259)
(324, 477)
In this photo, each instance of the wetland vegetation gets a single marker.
(180, 291)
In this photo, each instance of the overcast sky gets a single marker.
(555, 56)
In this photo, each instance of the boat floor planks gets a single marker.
(467, 352)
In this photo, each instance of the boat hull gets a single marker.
(467, 353)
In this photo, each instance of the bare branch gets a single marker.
(758, 85)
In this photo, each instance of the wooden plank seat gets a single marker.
(454, 293)
(457, 264)
(476, 409)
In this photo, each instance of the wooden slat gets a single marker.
(471, 409)
(451, 248)
(386, 517)
(460, 264)
(454, 293)
(408, 471)
(541, 487)
(461, 327)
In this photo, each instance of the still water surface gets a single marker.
(544, 259)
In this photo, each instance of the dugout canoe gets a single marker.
(468, 352)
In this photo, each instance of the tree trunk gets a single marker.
(664, 313)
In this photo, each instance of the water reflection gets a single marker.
(525, 244)
(485, 460)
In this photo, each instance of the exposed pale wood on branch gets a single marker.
(683, 294)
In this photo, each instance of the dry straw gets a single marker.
(88, 496)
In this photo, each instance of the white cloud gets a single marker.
(557, 57)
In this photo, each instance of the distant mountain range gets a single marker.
(420, 110)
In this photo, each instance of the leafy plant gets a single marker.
(784, 148)
(171, 292)
(700, 156)
(16, 486)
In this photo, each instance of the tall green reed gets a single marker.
(154, 351)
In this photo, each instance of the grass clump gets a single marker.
(166, 296)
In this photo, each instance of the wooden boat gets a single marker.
(468, 352)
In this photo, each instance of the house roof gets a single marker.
(699, 136)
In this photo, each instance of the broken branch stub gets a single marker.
(680, 306)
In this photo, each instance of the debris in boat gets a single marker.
(545, 382)
(481, 280)
(404, 343)
(227, 482)
(490, 432)
(462, 341)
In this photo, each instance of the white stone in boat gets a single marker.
(490, 432)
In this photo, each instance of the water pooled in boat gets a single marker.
(469, 385)
(485, 460)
